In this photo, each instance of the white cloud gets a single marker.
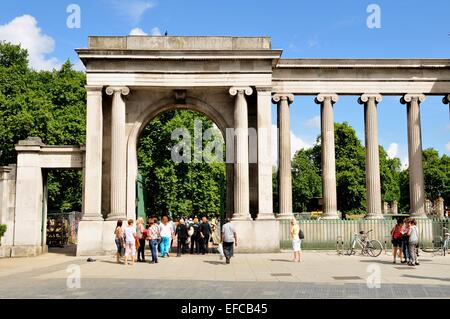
(447, 146)
(137, 31)
(132, 10)
(405, 163)
(296, 144)
(392, 150)
(155, 31)
(313, 122)
(24, 30)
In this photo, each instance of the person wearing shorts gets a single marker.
(296, 241)
(396, 239)
(130, 242)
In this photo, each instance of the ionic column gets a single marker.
(118, 153)
(284, 155)
(326, 102)
(264, 123)
(92, 182)
(373, 186)
(241, 175)
(416, 183)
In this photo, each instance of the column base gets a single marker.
(27, 250)
(92, 218)
(285, 216)
(5, 251)
(418, 215)
(257, 236)
(374, 216)
(330, 217)
(96, 238)
(265, 216)
(90, 238)
(116, 218)
(241, 218)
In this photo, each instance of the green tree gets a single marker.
(306, 180)
(46, 104)
(389, 177)
(179, 188)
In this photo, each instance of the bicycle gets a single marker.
(368, 247)
(444, 243)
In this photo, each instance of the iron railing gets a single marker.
(324, 234)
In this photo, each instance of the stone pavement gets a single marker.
(319, 275)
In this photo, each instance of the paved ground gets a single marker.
(319, 275)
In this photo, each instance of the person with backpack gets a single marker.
(296, 241)
(396, 239)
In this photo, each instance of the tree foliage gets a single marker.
(46, 104)
(306, 180)
(179, 188)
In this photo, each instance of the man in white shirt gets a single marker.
(229, 237)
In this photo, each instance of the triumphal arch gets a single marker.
(233, 81)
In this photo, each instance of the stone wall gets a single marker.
(7, 207)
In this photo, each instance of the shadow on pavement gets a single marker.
(214, 262)
(285, 260)
(386, 262)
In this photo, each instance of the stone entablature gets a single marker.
(67, 156)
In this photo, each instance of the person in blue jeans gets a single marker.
(153, 235)
(166, 232)
(405, 241)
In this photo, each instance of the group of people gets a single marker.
(405, 240)
(191, 235)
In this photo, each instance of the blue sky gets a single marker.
(309, 29)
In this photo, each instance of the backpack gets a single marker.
(301, 235)
(397, 234)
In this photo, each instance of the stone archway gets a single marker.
(151, 112)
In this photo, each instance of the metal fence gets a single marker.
(324, 234)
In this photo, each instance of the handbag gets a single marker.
(137, 244)
(220, 250)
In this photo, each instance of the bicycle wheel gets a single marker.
(374, 248)
(432, 249)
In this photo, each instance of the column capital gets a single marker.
(94, 89)
(124, 90)
(364, 98)
(234, 90)
(446, 99)
(283, 96)
(412, 96)
(326, 96)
